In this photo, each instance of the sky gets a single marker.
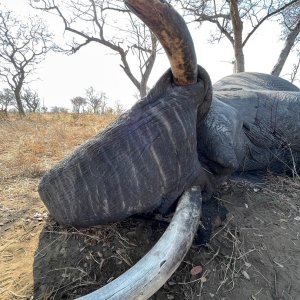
(63, 77)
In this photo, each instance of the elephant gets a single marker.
(179, 142)
(145, 160)
(253, 124)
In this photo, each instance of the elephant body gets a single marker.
(253, 124)
(176, 142)
(151, 154)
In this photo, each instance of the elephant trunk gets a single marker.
(173, 34)
(154, 269)
(144, 161)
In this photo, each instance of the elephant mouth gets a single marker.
(154, 269)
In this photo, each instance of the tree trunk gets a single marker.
(237, 26)
(149, 67)
(143, 89)
(288, 45)
(17, 93)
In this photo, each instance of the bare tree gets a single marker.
(6, 99)
(291, 30)
(293, 75)
(89, 20)
(44, 109)
(96, 101)
(31, 100)
(118, 108)
(78, 104)
(22, 47)
(229, 17)
(58, 109)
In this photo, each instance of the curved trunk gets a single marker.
(144, 161)
(172, 32)
(155, 268)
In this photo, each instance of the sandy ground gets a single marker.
(255, 255)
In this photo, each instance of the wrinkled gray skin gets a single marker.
(253, 124)
(146, 159)
(143, 161)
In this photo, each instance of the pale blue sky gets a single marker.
(64, 77)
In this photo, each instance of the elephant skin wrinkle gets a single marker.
(253, 124)
(142, 162)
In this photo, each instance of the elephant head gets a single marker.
(253, 124)
(148, 157)
(144, 161)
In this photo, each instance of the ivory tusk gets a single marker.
(151, 272)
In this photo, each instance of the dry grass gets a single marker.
(31, 145)
(28, 148)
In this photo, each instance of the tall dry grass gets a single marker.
(28, 148)
(31, 145)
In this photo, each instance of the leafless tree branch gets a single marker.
(87, 20)
(22, 47)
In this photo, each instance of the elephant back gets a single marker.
(254, 81)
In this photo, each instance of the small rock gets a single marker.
(131, 233)
(65, 275)
(245, 274)
(38, 216)
(283, 221)
(297, 218)
(171, 283)
(170, 296)
(196, 270)
(203, 279)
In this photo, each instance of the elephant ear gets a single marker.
(217, 138)
(226, 160)
(219, 156)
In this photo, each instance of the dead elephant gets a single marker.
(144, 161)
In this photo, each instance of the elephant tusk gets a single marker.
(172, 32)
(156, 267)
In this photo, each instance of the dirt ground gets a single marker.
(255, 255)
